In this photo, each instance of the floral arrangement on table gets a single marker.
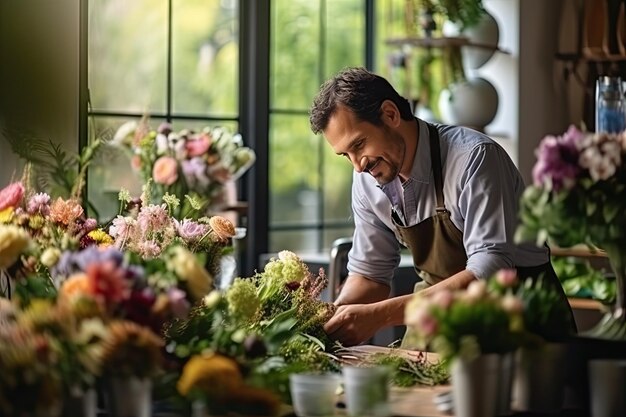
(186, 163)
(578, 193)
(466, 324)
(271, 322)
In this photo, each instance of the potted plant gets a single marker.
(473, 330)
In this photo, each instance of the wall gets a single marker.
(542, 102)
(38, 75)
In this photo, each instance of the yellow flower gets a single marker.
(101, 237)
(186, 266)
(215, 375)
(13, 241)
(50, 257)
(6, 215)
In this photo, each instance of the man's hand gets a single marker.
(353, 324)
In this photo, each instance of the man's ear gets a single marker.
(389, 113)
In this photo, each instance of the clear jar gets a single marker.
(610, 106)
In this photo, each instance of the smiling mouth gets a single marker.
(372, 166)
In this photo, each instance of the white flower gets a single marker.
(476, 290)
(125, 134)
(512, 304)
(286, 255)
(162, 144)
(211, 299)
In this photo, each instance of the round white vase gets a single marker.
(472, 103)
(485, 32)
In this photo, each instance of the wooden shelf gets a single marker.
(591, 58)
(442, 42)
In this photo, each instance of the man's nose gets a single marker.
(359, 163)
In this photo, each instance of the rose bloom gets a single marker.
(198, 147)
(11, 195)
(507, 277)
(165, 170)
(77, 285)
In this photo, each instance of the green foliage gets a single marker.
(406, 372)
(580, 279)
(472, 328)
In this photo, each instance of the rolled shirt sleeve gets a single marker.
(375, 252)
(490, 187)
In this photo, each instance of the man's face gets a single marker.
(377, 150)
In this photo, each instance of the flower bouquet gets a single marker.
(466, 324)
(271, 324)
(195, 164)
(38, 229)
(578, 193)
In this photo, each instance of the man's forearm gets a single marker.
(359, 290)
(393, 309)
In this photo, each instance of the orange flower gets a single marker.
(65, 211)
(223, 228)
(165, 170)
(75, 286)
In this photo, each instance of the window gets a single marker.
(171, 60)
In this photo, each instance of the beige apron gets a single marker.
(437, 244)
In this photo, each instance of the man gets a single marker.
(449, 194)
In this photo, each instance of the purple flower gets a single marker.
(165, 128)
(190, 230)
(557, 160)
(195, 172)
(39, 203)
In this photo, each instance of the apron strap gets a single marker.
(435, 158)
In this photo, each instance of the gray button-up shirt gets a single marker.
(481, 188)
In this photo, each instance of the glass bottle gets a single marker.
(610, 108)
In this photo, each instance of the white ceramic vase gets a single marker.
(485, 32)
(539, 382)
(472, 103)
(475, 385)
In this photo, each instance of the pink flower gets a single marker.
(443, 298)
(507, 277)
(11, 195)
(165, 170)
(190, 230)
(512, 304)
(135, 162)
(149, 249)
(39, 203)
(153, 217)
(557, 160)
(199, 146)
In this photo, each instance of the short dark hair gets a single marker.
(359, 90)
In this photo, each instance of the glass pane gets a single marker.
(300, 241)
(128, 55)
(294, 53)
(205, 57)
(330, 235)
(345, 35)
(337, 180)
(293, 166)
(111, 169)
